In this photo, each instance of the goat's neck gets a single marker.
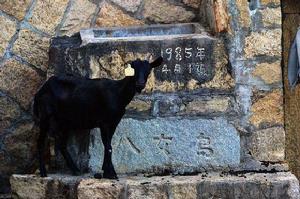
(127, 90)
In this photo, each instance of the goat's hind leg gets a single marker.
(41, 148)
(61, 144)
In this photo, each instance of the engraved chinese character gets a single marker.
(204, 146)
(177, 68)
(178, 54)
(164, 143)
(188, 52)
(200, 53)
(200, 68)
(165, 69)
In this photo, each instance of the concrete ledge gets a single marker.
(281, 185)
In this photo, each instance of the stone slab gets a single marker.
(169, 144)
(204, 186)
(188, 52)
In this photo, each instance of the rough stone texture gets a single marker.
(55, 186)
(271, 16)
(223, 78)
(244, 12)
(210, 106)
(270, 73)
(7, 29)
(174, 144)
(94, 189)
(192, 3)
(292, 96)
(47, 15)
(128, 5)
(111, 16)
(221, 16)
(16, 8)
(290, 7)
(18, 152)
(79, 17)
(268, 110)
(268, 144)
(19, 81)
(160, 11)
(213, 185)
(266, 42)
(9, 111)
(33, 48)
(150, 189)
(139, 106)
(20, 148)
(270, 2)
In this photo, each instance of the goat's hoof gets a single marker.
(98, 175)
(110, 176)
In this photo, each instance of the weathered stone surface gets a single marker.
(213, 105)
(270, 2)
(79, 17)
(47, 15)
(20, 146)
(292, 96)
(188, 60)
(222, 78)
(192, 3)
(266, 42)
(153, 188)
(54, 186)
(213, 185)
(270, 73)
(244, 13)
(175, 144)
(94, 189)
(268, 144)
(268, 110)
(290, 6)
(128, 5)
(7, 29)
(33, 48)
(160, 11)
(143, 107)
(19, 81)
(221, 16)
(16, 8)
(271, 16)
(111, 16)
(9, 111)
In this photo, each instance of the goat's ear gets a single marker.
(157, 62)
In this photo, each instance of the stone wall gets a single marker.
(247, 82)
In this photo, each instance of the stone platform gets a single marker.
(281, 185)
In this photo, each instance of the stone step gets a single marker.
(281, 185)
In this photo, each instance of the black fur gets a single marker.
(68, 103)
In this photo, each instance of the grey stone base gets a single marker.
(281, 185)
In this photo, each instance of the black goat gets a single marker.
(70, 103)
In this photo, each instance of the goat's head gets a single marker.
(142, 69)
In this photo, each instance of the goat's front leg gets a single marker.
(107, 167)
